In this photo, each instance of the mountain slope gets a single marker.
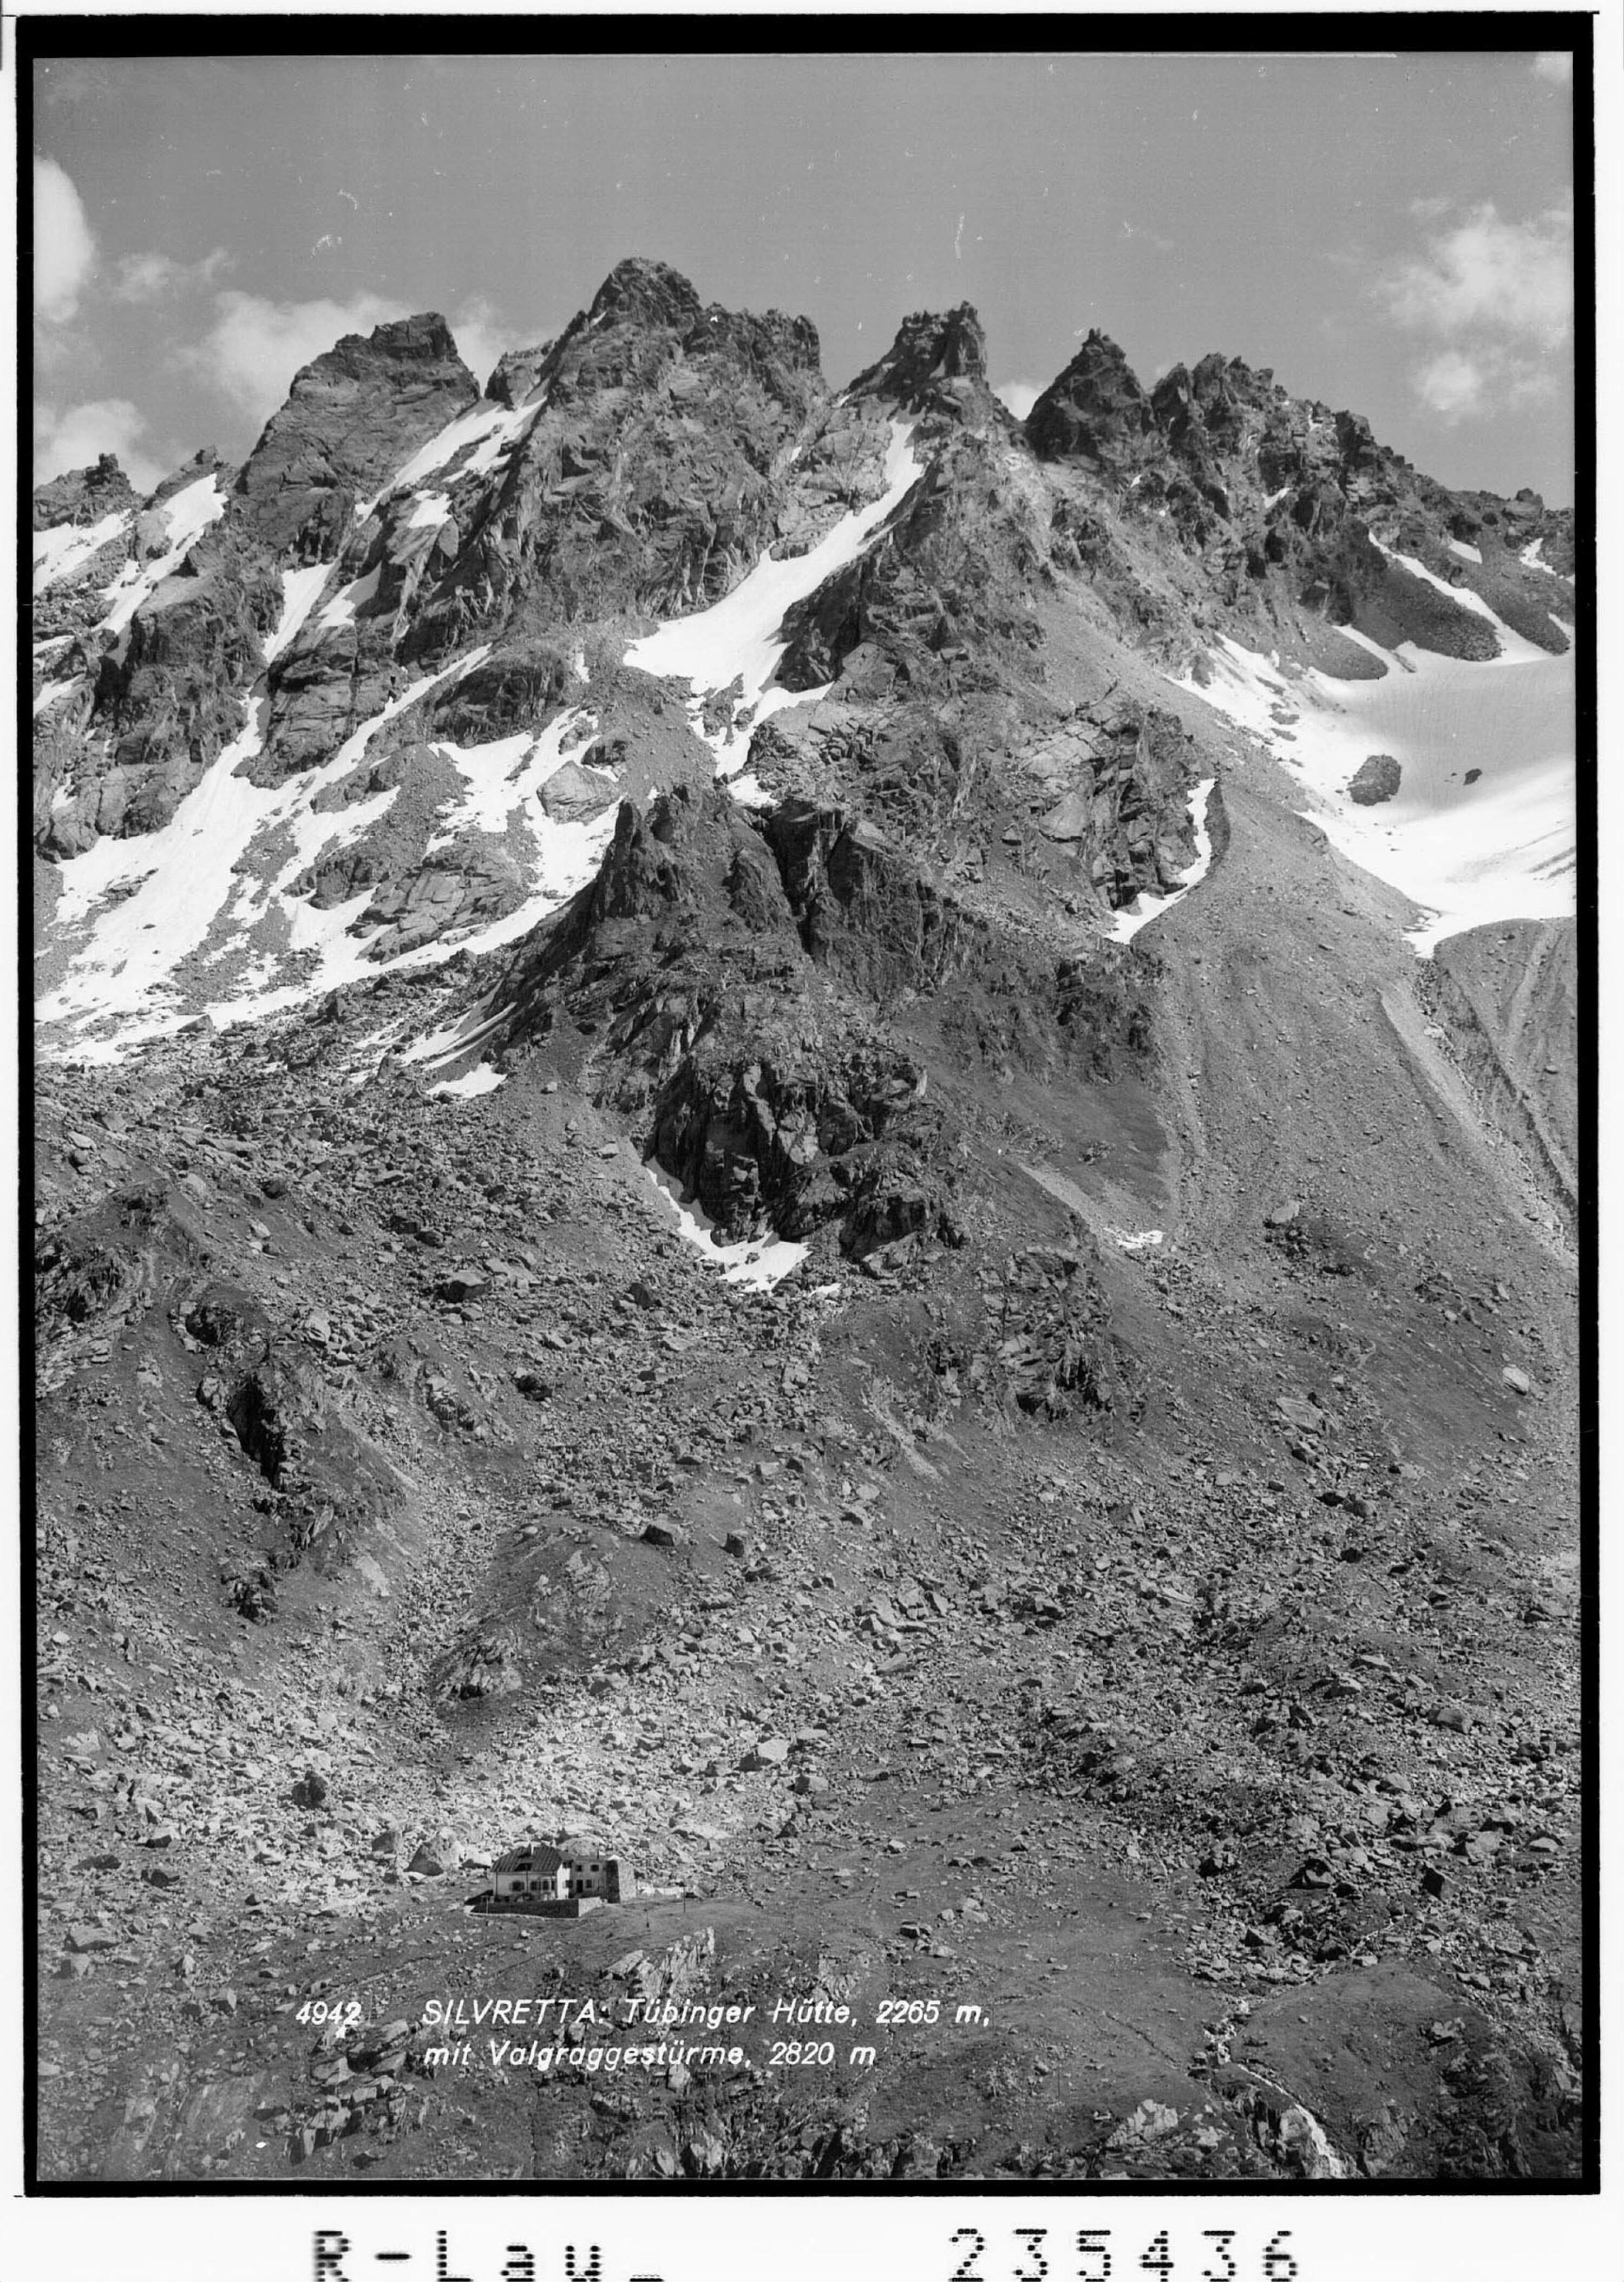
(718, 1163)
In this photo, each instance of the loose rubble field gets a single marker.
(1220, 1746)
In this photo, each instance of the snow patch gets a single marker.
(67, 546)
(1467, 553)
(760, 1262)
(1240, 685)
(490, 429)
(300, 589)
(186, 516)
(1126, 924)
(53, 691)
(482, 1079)
(456, 1038)
(188, 513)
(145, 906)
(1534, 556)
(1512, 644)
(179, 879)
(742, 636)
(341, 608)
(507, 773)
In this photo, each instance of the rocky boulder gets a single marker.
(1375, 779)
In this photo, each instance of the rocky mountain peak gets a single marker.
(645, 291)
(937, 361)
(83, 494)
(1096, 410)
(205, 461)
(351, 417)
(424, 339)
(646, 313)
(516, 374)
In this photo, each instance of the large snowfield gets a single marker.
(1482, 826)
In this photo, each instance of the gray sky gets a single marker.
(1393, 235)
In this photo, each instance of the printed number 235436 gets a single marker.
(1103, 2253)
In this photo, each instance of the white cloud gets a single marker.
(1018, 395)
(1497, 299)
(78, 436)
(156, 277)
(1452, 385)
(1509, 277)
(64, 244)
(1558, 69)
(1459, 386)
(254, 346)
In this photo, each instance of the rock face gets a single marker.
(768, 1139)
(515, 375)
(645, 482)
(1303, 522)
(692, 961)
(84, 495)
(936, 364)
(353, 416)
(639, 468)
(1096, 411)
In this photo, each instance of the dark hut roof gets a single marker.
(538, 1856)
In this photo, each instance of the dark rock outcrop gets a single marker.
(351, 417)
(168, 692)
(516, 374)
(646, 482)
(83, 494)
(1282, 501)
(936, 364)
(1096, 411)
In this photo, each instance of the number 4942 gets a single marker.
(1103, 2253)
